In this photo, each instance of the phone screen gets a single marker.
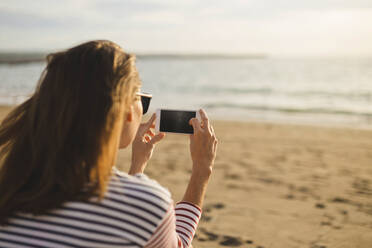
(176, 121)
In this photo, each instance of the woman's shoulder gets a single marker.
(140, 186)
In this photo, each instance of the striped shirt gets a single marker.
(135, 212)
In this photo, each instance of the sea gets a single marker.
(316, 91)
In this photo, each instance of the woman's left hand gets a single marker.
(143, 145)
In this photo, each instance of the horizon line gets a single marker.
(21, 57)
(37, 56)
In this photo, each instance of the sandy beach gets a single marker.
(276, 185)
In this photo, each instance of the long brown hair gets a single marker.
(61, 143)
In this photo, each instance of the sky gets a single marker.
(274, 27)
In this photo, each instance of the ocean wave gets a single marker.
(237, 90)
(287, 109)
(362, 95)
(344, 95)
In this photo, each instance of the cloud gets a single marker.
(276, 27)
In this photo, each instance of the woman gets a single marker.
(58, 183)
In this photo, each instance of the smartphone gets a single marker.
(175, 121)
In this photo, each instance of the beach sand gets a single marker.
(276, 185)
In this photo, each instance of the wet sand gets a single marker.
(276, 185)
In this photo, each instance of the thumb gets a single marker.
(151, 121)
(157, 138)
(144, 127)
(195, 124)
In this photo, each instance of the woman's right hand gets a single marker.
(203, 145)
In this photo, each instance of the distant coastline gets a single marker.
(21, 58)
(201, 56)
(34, 57)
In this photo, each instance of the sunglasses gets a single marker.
(145, 99)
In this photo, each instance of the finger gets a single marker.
(150, 122)
(147, 125)
(151, 133)
(204, 118)
(195, 124)
(147, 138)
(215, 145)
(203, 114)
(157, 138)
(212, 129)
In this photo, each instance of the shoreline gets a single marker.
(330, 125)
